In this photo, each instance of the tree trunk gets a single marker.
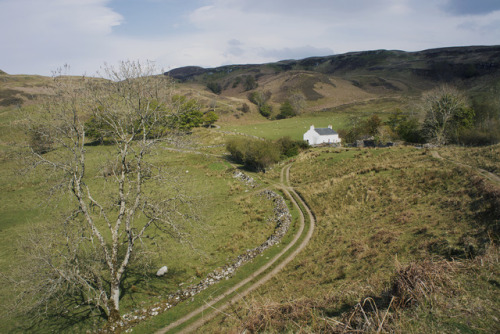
(114, 303)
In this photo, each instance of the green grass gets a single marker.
(292, 127)
(296, 127)
(487, 158)
(230, 221)
(177, 312)
(376, 208)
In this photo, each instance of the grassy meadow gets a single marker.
(228, 216)
(295, 127)
(390, 222)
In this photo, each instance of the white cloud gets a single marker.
(42, 35)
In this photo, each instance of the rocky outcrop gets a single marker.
(248, 180)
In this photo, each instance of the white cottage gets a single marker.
(321, 136)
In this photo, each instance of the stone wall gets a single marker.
(282, 219)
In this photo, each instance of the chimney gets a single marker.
(312, 127)
(329, 126)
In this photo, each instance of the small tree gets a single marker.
(250, 83)
(188, 113)
(261, 100)
(446, 113)
(215, 87)
(298, 102)
(372, 124)
(286, 110)
(40, 140)
(209, 118)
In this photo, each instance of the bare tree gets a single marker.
(86, 262)
(446, 111)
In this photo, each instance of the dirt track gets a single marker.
(485, 173)
(285, 173)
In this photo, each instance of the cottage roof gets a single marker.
(325, 131)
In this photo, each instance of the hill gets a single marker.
(444, 64)
(332, 81)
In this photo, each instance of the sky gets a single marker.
(39, 36)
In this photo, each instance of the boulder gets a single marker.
(162, 271)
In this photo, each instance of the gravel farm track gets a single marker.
(306, 217)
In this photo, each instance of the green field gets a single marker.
(229, 220)
(296, 127)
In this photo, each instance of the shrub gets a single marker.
(189, 114)
(478, 137)
(40, 140)
(210, 118)
(258, 154)
(286, 110)
(289, 147)
(215, 87)
(250, 83)
(245, 108)
(266, 110)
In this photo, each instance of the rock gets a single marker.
(162, 271)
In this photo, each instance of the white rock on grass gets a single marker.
(162, 271)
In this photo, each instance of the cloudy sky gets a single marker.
(37, 36)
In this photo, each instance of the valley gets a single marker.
(383, 239)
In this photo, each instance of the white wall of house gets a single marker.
(318, 136)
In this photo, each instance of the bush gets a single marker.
(477, 137)
(266, 110)
(245, 108)
(289, 147)
(215, 87)
(258, 154)
(253, 153)
(40, 140)
(409, 130)
(286, 110)
(250, 83)
(210, 118)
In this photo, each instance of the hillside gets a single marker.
(332, 81)
(403, 239)
(405, 243)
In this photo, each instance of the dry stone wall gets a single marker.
(282, 219)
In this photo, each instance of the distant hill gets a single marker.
(2, 72)
(437, 64)
(356, 76)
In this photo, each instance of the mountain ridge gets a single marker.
(489, 59)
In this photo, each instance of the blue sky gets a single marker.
(39, 36)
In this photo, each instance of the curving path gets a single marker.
(294, 197)
(492, 177)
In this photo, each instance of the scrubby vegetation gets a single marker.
(442, 116)
(259, 155)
